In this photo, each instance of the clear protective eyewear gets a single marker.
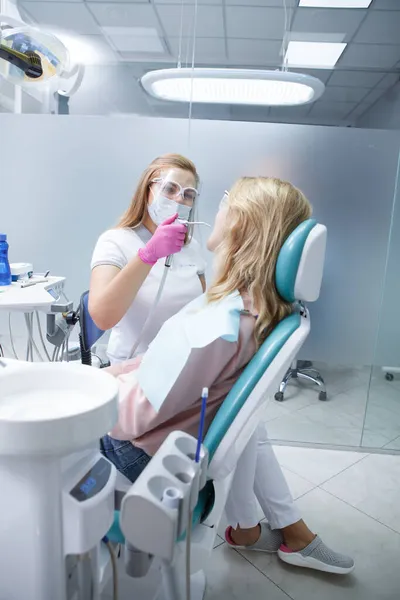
(174, 191)
(225, 200)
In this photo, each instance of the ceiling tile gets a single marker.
(385, 5)
(338, 110)
(51, 0)
(254, 52)
(355, 78)
(359, 110)
(389, 80)
(210, 21)
(135, 39)
(207, 50)
(254, 22)
(270, 3)
(345, 94)
(64, 15)
(89, 49)
(219, 2)
(250, 113)
(325, 20)
(116, 14)
(370, 55)
(292, 112)
(113, 1)
(373, 96)
(322, 74)
(380, 27)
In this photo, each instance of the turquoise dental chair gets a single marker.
(298, 279)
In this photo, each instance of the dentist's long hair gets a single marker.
(262, 213)
(137, 210)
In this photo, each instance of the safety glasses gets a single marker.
(174, 191)
(225, 200)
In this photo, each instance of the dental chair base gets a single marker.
(307, 374)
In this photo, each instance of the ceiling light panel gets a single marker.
(335, 3)
(328, 21)
(233, 86)
(320, 55)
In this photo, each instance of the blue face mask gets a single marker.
(163, 208)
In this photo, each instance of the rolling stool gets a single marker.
(302, 370)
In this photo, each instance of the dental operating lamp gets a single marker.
(29, 62)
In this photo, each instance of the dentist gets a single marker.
(128, 261)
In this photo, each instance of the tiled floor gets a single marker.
(352, 500)
(302, 417)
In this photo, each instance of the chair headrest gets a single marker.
(300, 263)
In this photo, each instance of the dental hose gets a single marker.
(153, 308)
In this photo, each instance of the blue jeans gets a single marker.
(126, 457)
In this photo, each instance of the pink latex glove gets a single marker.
(168, 238)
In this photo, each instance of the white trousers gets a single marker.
(259, 476)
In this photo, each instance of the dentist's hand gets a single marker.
(168, 238)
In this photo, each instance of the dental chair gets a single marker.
(298, 280)
(89, 332)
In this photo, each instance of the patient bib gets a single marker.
(197, 325)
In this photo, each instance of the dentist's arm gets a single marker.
(113, 289)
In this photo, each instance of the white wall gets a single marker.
(385, 114)
(67, 179)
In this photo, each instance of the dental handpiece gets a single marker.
(168, 260)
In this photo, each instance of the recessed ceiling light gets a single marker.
(320, 55)
(335, 3)
(233, 86)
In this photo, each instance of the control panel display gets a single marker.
(93, 481)
(53, 293)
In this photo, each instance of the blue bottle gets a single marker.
(5, 272)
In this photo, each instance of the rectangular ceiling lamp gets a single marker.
(320, 55)
(335, 3)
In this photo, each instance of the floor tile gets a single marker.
(373, 486)
(375, 548)
(231, 577)
(393, 444)
(316, 466)
(297, 485)
(297, 428)
(340, 411)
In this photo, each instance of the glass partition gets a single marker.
(382, 417)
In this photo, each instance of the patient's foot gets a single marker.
(297, 536)
(303, 548)
(260, 538)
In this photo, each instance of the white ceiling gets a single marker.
(240, 33)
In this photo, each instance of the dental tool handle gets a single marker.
(204, 397)
(168, 260)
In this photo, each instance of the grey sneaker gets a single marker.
(269, 541)
(319, 557)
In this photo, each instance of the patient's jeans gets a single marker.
(126, 457)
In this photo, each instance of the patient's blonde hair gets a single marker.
(262, 213)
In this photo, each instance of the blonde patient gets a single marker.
(253, 221)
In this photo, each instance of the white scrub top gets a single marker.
(117, 247)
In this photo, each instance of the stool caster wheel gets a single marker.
(322, 395)
(389, 376)
(279, 396)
